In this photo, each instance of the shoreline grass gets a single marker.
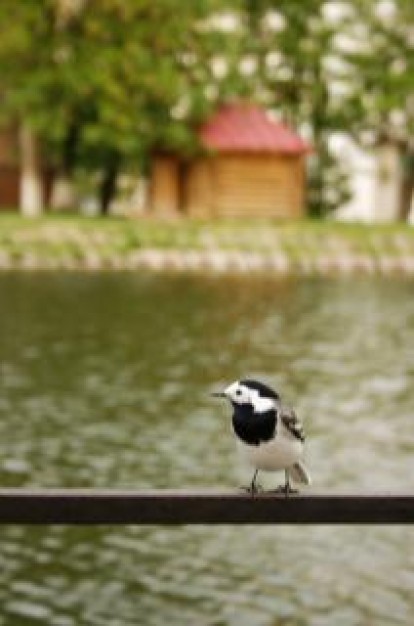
(69, 240)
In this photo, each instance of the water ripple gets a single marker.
(116, 393)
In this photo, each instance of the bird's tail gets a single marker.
(300, 474)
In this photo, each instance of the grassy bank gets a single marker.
(66, 241)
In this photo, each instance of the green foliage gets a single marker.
(382, 100)
(103, 79)
(295, 44)
(382, 62)
(105, 82)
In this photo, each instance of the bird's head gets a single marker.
(248, 392)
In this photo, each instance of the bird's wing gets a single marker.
(300, 474)
(292, 423)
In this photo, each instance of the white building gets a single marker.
(375, 181)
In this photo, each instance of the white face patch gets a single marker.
(241, 394)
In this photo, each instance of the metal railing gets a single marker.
(89, 506)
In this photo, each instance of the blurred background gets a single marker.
(191, 193)
(94, 93)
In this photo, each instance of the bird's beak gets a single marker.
(219, 394)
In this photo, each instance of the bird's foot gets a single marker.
(252, 489)
(285, 489)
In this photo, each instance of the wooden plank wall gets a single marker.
(262, 186)
(245, 185)
(9, 168)
(9, 187)
(165, 191)
(198, 188)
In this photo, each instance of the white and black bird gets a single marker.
(270, 435)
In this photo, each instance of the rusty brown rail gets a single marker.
(73, 506)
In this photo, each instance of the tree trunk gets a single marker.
(108, 185)
(63, 196)
(407, 187)
(406, 198)
(31, 184)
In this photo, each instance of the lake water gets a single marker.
(105, 382)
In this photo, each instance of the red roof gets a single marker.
(247, 127)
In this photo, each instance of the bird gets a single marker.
(270, 435)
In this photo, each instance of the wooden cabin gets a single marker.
(9, 169)
(13, 187)
(250, 166)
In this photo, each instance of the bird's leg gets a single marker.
(287, 487)
(253, 488)
(253, 485)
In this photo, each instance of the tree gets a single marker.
(103, 82)
(383, 65)
(15, 64)
(293, 44)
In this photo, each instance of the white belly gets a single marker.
(273, 455)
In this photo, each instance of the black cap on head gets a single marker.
(264, 390)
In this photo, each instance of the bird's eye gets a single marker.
(238, 392)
